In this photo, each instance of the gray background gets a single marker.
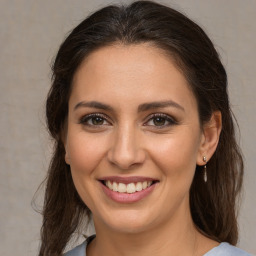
(30, 33)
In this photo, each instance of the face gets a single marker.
(133, 138)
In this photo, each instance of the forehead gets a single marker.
(135, 72)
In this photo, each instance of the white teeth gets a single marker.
(128, 188)
(109, 184)
(121, 188)
(139, 186)
(144, 184)
(131, 188)
(115, 187)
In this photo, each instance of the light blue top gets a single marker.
(223, 249)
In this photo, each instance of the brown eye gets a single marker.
(97, 120)
(94, 120)
(159, 121)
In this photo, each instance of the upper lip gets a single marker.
(127, 180)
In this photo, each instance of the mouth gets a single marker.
(129, 185)
(127, 188)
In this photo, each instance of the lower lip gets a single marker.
(127, 197)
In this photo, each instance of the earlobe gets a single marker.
(67, 159)
(64, 140)
(210, 137)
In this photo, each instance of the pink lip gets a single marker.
(127, 180)
(127, 197)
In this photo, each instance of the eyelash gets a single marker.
(171, 121)
(85, 119)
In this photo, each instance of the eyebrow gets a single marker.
(159, 104)
(142, 108)
(93, 104)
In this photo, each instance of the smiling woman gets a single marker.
(144, 139)
(130, 139)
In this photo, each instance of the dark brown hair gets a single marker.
(213, 205)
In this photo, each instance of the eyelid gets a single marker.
(85, 118)
(170, 119)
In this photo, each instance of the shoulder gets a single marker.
(77, 251)
(225, 249)
(80, 250)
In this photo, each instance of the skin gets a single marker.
(127, 142)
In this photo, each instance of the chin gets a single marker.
(127, 227)
(129, 222)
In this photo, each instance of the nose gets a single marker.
(126, 150)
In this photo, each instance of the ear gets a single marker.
(210, 138)
(67, 158)
(64, 141)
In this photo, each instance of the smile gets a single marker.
(127, 188)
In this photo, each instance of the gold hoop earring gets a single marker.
(205, 169)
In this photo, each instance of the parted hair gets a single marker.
(213, 204)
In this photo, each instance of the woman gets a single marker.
(144, 139)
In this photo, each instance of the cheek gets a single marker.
(176, 155)
(85, 152)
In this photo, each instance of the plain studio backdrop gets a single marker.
(30, 34)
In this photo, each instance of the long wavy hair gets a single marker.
(213, 204)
